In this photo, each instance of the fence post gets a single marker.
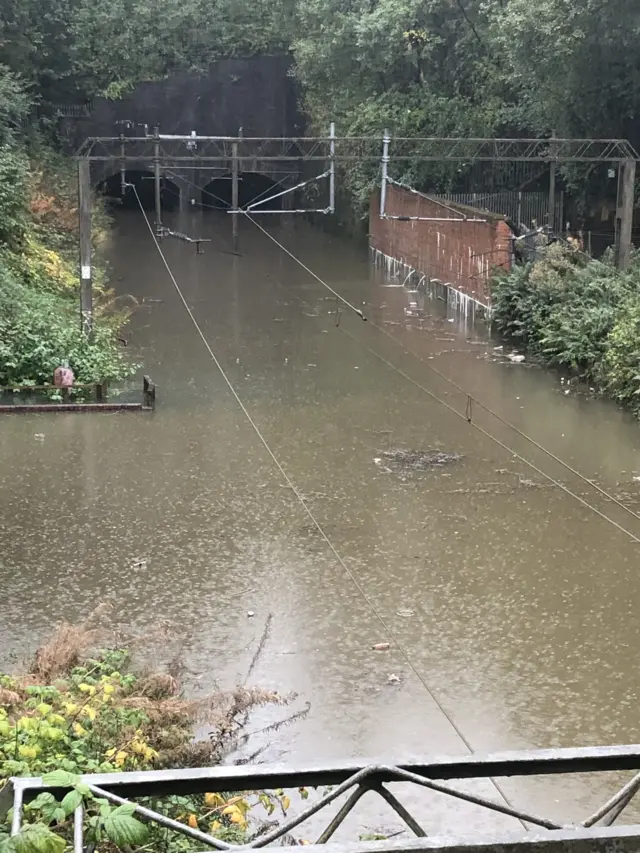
(148, 393)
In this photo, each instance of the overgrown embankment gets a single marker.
(76, 711)
(572, 312)
(39, 280)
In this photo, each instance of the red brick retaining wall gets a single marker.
(461, 254)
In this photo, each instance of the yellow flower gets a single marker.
(43, 709)
(70, 708)
(89, 711)
(78, 730)
(108, 689)
(56, 720)
(25, 751)
(121, 757)
(87, 688)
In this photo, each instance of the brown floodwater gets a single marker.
(516, 605)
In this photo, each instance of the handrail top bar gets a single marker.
(265, 776)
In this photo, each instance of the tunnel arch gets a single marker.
(143, 180)
(251, 187)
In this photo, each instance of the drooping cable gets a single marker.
(305, 507)
(502, 420)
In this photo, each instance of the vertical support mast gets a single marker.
(624, 214)
(332, 167)
(84, 212)
(234, 195)
(157, 180)
(552, 185)
(386, 139)
(123, 167)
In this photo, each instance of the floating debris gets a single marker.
(402, 461)
(381, 647)
(515, 357)
(393, 679)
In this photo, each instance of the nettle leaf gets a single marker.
(6, 843)
(36, 838)
(60, 779)
(42, 800)
(71, 801)
(123, 829)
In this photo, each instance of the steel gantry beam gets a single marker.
(437, 149)
(351, 780)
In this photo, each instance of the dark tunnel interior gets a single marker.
(145, 186)
(252, 187)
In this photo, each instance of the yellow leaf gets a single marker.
(110, 752)
(238, 817)
(193, 821)
(56, 720)
(84, 688)
(54, 734)
(214, 826)
(211, 801)
(121, 757)
(25, 751)
(286, 802)
(108, 689)
(89, 712)
(70, 708)
(44, 709)
(78, 730)
(230, 810)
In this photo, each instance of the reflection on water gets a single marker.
(515, 603)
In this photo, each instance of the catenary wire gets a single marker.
(308, 512)
(482, 405)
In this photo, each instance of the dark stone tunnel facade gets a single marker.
(256, 95)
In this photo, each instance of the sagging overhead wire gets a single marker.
(473, 399)
(337, 295)
(508, 809)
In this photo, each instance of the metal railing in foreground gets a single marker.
(352, 780)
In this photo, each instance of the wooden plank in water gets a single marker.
(23, 408)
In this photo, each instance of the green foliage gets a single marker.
(13, 198)
(575, 313)
(619, 372)
(39, 329)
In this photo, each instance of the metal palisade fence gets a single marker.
(522, 208)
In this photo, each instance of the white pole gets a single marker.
(385, 171)
(332, 167)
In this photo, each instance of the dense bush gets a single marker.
(573, 312)
(75, 712)
(39, 285)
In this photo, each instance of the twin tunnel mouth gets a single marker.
(253, 188)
